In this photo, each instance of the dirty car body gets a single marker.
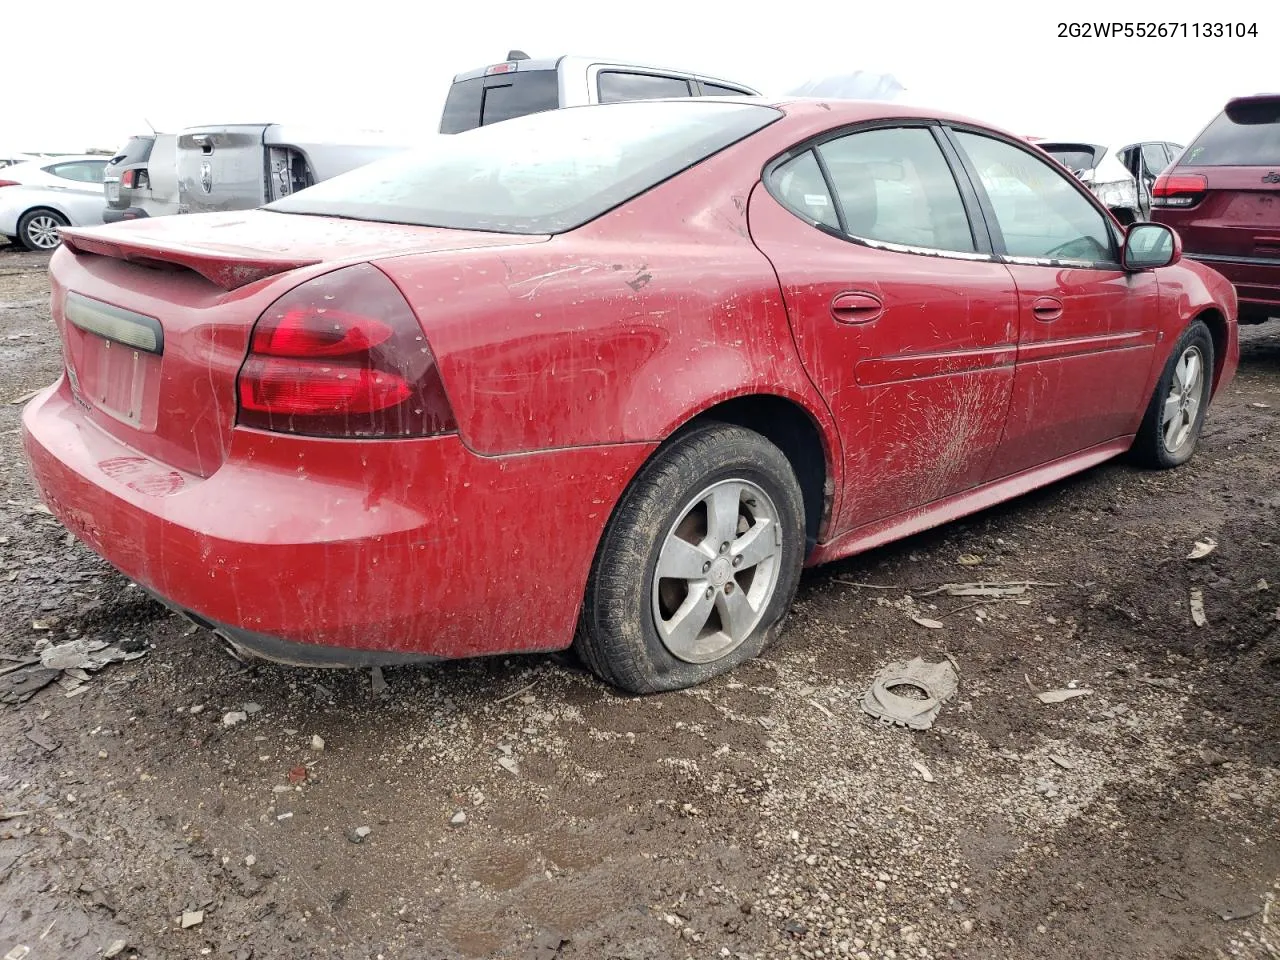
(612, 388)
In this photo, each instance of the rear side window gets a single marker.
(540, 174)
(83, 171)
(715, 90)
(481, 101)
(895, 185)
(799, 184)
(616, 86)
(1225, 143)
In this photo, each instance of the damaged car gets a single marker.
(606, 377)
(1121, 178)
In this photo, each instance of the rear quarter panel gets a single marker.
(619, 331)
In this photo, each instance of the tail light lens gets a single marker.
(1178, 190)
(126, 179)
(342, 355)
(8, 183)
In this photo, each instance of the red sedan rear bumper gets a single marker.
(387, 550)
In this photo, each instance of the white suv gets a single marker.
(520, 86)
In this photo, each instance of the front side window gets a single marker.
(894, 185)
(82, 171)
(1038, 211)
(617, 87)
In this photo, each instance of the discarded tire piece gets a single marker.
(934, 684)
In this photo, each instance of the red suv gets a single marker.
(1222, 195)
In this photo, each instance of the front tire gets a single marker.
(1171, 428)
(38, 229)
(698, 566)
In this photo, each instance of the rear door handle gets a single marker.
(856, 307)
(1047, 309)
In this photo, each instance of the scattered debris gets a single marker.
(926, 622)
(18, 952)
(378, 685)
(298, 774)
(923, 771)
(1197, 607)
(192, 918)
(358, 834)
(1059, 696)
(232, 717)
(968, 560)
(1240, 913)
(284, 816)
(510, 765)
(817, 706)
(1046, 788)
(1203, 548)
(116, 948)
(458, 819)
(512, 696)
(317, 743)
(1260, 406)
(14, 814)
(251, 708)
(1164, 683)
(42, 740)
(1061, 761)
(21, 686)
(932, 683)
(31, 394)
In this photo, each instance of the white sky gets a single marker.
(92, 75)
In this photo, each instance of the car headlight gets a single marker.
(1117, 193)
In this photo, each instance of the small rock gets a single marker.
(197, 708)
(298, 774)
(317, 743)
(232, 717)
(967, 926)
(378, 684)
(458, 819)
(280, 788)
(251, 708)
(192, 918)
(510, 765)
(358, 834)
(924, 771)
(114, 949)
(881, 886)
(102, 754)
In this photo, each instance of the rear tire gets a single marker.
(721, 512)
(1171, 428)
(38, 229)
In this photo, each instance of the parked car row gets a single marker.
(1121, 177)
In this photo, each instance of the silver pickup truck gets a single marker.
(240, 166)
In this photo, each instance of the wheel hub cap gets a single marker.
(720, 572)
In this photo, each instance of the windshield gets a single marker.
(1073, 156)
(481, 101)
(1225, 143)
(545, 173)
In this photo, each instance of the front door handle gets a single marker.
(1047, 309)
(856, 307)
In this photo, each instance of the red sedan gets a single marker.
(607, 376)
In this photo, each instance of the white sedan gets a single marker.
(38, 198)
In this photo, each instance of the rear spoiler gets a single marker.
(226, 270)
(1263, 108)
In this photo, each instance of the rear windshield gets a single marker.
(1225, 143)
(137, 150)
(481, 101)
(1073, 156)
(546, 173)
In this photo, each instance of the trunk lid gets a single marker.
(155, 315)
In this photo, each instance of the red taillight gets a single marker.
(342, 355)
(499, 68)
(126, 179)
(8, 183)
(1178, 190)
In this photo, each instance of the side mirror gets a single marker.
(1150, 245)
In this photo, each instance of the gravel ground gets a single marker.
(517, 808)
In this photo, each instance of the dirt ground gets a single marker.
(762, 815)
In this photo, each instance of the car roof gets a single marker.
(574, 60)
